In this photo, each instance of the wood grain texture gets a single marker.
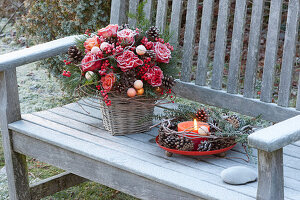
(289, 51)
(277, 136)
(253, 47)
(118, 12)
(54, 184)
(132, 142)
(133, 4)
(132, 146)
(298, 95)
(16, 166)
(148, 9)
(189, 38)
(236, 46)
(161, 14)
(35, 53)
(202, 62)
(113, 177)
(220, 45)
(270, 175)
(175, 21)
(271, 51)
(234, 102)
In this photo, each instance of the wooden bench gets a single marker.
(71, 139)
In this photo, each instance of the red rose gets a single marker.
(163, 53)
(154, 76)
(91, 42)
(88, 63)
(126, 36)
(108, 81)
(109, 31)
(128, 60)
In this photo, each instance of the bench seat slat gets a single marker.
(94, 151)
(72, 120)
(149, 152)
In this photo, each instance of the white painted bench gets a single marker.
(71, 139)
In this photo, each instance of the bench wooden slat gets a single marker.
(289, 51)
(54, 184)
(161, 14)
(124, 162)
(36, 53)
(206, 22)
(189, 38)
(151, 148)
(15, 163)
(234, 102)
(271, 51)
(150, 152)
(216, 162)
(148, 9)
(220, 45)
(175, 21)
(94, 170)
(133, 4)
(236, 46)
(253, 47)
(118, 12)
(298, 96)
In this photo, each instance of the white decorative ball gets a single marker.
(95, 50)
(89, 75)
(104, 45)
(203, 130)
(138, 84)
(141, 50)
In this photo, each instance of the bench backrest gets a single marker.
(229, 94)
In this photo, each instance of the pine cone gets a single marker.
(184, 144)
(152, 33)
(127, 79)
(201, 115)
(168, 82)
(234, 121)
(205, 145)
(170, 141)
(74, 54)
(120, 88)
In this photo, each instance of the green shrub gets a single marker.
(48, 20)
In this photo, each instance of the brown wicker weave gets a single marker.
(124, 116)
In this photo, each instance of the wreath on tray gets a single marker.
(223, 131)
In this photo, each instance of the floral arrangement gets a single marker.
(123, 61)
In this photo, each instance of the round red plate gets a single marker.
(194, 153)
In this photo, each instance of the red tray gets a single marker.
(194, 153)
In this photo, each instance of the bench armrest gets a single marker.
(277, 136)
(35, 53)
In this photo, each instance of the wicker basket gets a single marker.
(124, 116)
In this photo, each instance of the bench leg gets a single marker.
(16, 167)
(270, 175)
(17, 174)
